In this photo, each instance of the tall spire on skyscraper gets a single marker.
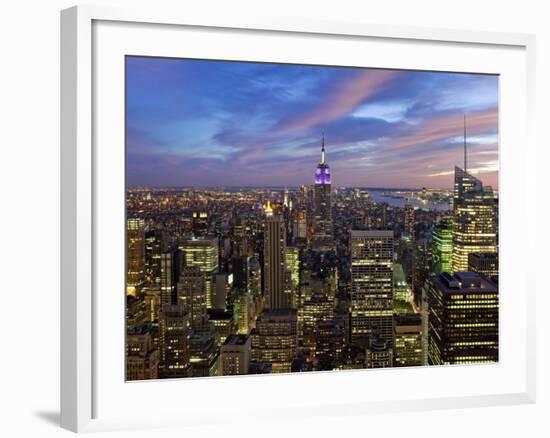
(322, 213)
(322, 173)
(465, 148)
(323, 149)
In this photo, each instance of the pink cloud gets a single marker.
(342, 99)
(345, 97)
(447, 126)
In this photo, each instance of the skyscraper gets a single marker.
(292, 269)
(409, 219)
(135, 241)
(200, 223)
(203, 343)
(407, 340)
(152, 304)
(223, 283)
(204, 351)
(142, 359)
(315, 309)
(191, 292)
(136, 312)
(371, 284)
(223, 324)
(301, 224)
(462, 319)
(275, 339)
(240, 271)
(203, 253)
(421, 263)
(170, 267)
(254, 276)
(243, 311)
(475, 216)
(322, 219)
(240, 240)
(330, 343)
(274, 263)
(174, 342)
(484, 263)
(235, 355)
(154, 247)
(442, 238)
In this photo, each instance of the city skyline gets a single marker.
(319, 280)
(258, 281)
(193, 123)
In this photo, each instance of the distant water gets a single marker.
(395, 200)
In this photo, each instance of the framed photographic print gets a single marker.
(266, 208)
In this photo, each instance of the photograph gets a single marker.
(290, 218)
(286, 218)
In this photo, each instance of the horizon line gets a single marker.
(283, 187)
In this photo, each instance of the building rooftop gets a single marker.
(140, 329)
(407, 323)
(484, 255)
(334, 325)
(407, 319)
(199, 241)
(236, 340)
(371, 233)
(378, 344)
(278, 312)
(464, 282)
(219, 314)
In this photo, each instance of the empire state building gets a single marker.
(322, 235)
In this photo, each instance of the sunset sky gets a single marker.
(211, 123)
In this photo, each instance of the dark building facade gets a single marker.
(462, 319)
(274, 263)
(484, 263)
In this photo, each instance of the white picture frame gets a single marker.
(83, 185)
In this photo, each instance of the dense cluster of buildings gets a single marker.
(226, 281)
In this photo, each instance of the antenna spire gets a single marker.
(323, 149)
(465, 146)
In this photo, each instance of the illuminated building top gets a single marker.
(268, 209)
(322, 173)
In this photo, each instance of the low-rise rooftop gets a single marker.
(236, 340)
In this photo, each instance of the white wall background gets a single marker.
(29, 214)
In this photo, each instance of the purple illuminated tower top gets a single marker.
(322, 173)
